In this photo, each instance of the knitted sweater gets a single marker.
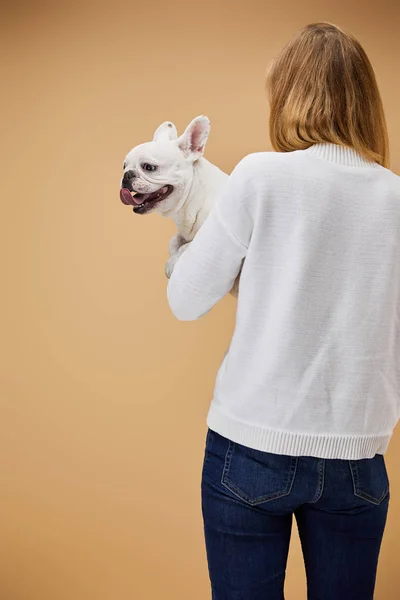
(313, 367)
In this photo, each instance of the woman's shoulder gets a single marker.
(265, 164)
(392, 176)
(264, 157)
(260, 160)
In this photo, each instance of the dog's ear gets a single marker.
(193, 141)
(165, 132)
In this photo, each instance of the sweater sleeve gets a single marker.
(207, 269)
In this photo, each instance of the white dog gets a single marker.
(170, 175)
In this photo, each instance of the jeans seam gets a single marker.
(208, 444)
(321, 481)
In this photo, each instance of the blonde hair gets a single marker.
(322, 88)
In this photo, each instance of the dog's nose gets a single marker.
(129, 175)
(127, 180)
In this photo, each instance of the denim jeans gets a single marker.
(248, 498)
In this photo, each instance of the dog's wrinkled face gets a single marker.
(153, 175)
(158, 174)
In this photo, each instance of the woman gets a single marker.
(306, 398)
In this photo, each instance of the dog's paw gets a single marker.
(170, 264)
(175, 243)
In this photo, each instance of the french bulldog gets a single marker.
(169, 175)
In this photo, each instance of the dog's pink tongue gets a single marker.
(127, 197)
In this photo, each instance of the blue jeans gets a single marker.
(248, 498)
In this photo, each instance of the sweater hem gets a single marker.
(348, 447)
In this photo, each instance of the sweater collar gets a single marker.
(340, 155)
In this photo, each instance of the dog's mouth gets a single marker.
(143, 203)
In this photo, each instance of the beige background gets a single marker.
(104, 394)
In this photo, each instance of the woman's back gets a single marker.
(314, 363)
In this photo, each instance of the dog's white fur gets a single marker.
(179, 162)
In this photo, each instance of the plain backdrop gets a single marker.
(104, 394)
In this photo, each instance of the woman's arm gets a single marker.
(207, 269)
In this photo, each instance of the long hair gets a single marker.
(322, 88)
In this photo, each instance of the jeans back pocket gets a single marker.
(370, 478)
(256, 476)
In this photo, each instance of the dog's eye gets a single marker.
(148, 167)
(124, 166)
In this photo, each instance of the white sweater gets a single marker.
(313, 367)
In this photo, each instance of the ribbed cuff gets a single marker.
(349, 447)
